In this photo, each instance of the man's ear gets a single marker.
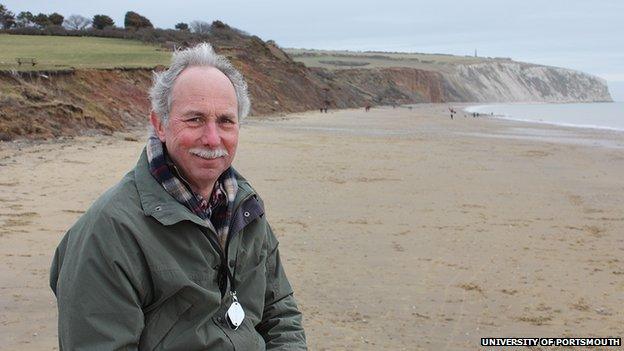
(159, 127)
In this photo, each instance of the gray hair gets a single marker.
(198, 55)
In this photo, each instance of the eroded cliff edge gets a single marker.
(52, 104)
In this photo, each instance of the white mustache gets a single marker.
(208, 153)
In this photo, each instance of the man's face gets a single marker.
(203, 126)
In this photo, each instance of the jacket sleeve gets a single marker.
(95, 280)
(281, 325)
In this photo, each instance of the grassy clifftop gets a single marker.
(333, 60)
(62, 53)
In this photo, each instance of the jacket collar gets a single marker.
(157, 203)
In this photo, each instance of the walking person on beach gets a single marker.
(179, 254)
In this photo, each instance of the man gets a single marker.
(179, 255)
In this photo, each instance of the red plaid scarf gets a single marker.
(216, 211)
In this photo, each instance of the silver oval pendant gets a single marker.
(235, 315)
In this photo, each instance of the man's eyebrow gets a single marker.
(192, 113)
(224, 114)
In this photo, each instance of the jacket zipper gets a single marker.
(224, 255)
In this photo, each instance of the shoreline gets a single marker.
(136, 130)
(395, 216)
(472, 108)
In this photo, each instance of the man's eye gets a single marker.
(227, 120)
(194, 120)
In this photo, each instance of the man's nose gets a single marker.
(210, 135)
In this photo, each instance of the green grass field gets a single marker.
(328, 59)
(61, 53)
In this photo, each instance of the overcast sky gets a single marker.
(582, 35)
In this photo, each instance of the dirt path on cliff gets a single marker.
(400, 229)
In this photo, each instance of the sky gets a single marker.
(583, 35)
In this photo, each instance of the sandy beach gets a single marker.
(400, 229)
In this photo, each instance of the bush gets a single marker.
(102, 21)
(200, 27)
(76, 22)
(220, 25)
(42, 20)
(182, 26)
(7, 18)
(133, 20)
(56, 19)
(24, 19)
(220, 34)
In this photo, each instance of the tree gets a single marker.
(182, 26)
(102, 21)
(135, 21)
(200, 27)
(56, 19)
(220, 25)
(24, 19)
(7, 18)
(76, 22)
(42, 20)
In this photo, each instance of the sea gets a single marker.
(607, 115)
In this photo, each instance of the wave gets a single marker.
(603, 116)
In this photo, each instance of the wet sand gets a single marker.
(400, 229)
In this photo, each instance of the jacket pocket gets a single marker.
(159, 322)
(245, 337)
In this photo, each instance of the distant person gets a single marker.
(367, 107)
(325, 106)
(179, 254)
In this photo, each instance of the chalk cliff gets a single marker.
(401, 77)
(522, 82)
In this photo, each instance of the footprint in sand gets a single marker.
(535, 320)
(397, 247)
(594, 231)
(580, 305)
(18, 219)
(472, 287)
(575, 200)
(536, 153)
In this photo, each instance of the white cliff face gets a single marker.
(521, 82)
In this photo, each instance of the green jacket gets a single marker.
(139, 271)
